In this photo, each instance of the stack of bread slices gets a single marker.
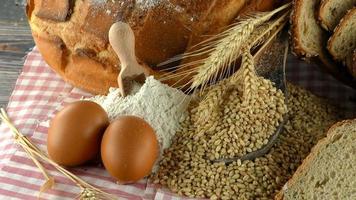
(325, 31)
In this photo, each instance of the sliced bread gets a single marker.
(308, 38)
(343, 41)
(329, 172)
(331, 12)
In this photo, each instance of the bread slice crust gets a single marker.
(345, 31)
(331, 12)
(301, 27)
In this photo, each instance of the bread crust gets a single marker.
(337, 70)
(323, 22)
(296, 40)
(54, 10)
(327, 8)
(73, 68)
(295, 36)
(313, 153)
(337, 32)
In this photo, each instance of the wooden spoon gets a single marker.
(122, 39)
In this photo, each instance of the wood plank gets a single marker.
(15, 41)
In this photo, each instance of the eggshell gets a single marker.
(75, 133)
(129, 149)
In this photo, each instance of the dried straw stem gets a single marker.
(87, 190)
(24, 141)
(264, 32)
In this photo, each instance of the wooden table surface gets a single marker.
(15, 42)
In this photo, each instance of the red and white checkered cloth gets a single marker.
(39, 93)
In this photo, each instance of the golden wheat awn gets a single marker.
(227, 49)
(266, 31)
(264, 34)
(247, 74)
(224, 49)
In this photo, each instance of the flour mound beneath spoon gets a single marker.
(163, 107)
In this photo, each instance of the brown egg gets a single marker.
(75, 133)
(129, 149)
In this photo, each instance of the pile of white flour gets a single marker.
(161, 106)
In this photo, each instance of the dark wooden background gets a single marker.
(15, 42)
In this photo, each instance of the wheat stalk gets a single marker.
(224, 49)
(87, 191)
(24, 141)
(246, 74)
(232, 39)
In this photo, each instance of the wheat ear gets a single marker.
(257, 37)
(249, 76)
(247, 72)
(219, 58)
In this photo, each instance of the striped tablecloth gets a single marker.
(39, 93)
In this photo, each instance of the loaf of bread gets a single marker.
(72, 35)
(343, 41)
(329, 171)
(331, 12)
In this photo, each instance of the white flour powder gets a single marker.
(161, 106)
(147, 4)
(142, 4)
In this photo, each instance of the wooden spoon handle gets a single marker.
(122, 39)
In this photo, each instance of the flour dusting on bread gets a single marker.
(147, 4)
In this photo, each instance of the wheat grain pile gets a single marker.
(227, 126)
(185, 169)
